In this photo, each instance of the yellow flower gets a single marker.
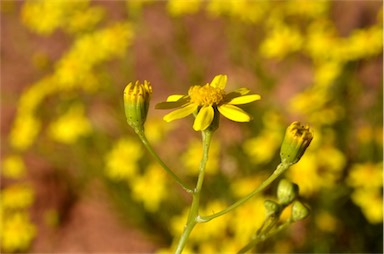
(24, 132)
(281, 41)
(13, 167)
(72, 125)
(182, 7)
(366, 175)
(326, 222)
(150, 188)
(370, 200)
(121, 163)
(17, 232)
(206, 100)
(17, 196)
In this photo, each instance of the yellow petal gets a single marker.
(219, 81)
(180, 113)
(174, 97)
(234, 113)
(245, 99)
(204, 118)
(182, 101)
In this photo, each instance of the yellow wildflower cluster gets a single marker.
(244, 10)
(148, 183)
(122, 160)
(280, 41)
(45, 16)
(13, 167)
(262, 148)
(367, 181)
(155, 177)
(17, 229)
(177, 7)
(75, 70)
(70, 126)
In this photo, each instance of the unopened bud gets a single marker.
(299, 211)
(287, 192)
(136, 104)
(296, 140)
(273, 209)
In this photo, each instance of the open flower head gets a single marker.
(206, 101)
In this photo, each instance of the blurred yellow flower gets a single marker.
(214, 229)
(304, 8)
(244, 10)
(241, 228)
(243, 186)
(206, 100)
(69, 127)
(281, 41)
(88, 50)
(150, 188)
(370, 200)
(24, 131)
(367, 181)
(332, 162)
(191, 158)
(17, 232)
(13, 167)
(362, 43)
(32, 96)
(156, 129)
(366, 175)
(17, 196)
(183, 7)
(321, 41)
(305, 174)
(262, 149)
(84, 19)
(326, 73)
(45, 16)
(326, 222)
(122, 160)
(206, 237)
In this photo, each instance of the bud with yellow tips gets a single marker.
(136, 104)
(296, 140)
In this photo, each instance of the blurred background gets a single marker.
(75, 178)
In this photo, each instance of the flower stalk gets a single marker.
(194, 212)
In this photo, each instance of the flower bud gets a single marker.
(273, 208)
(287, 192)
(299, 211)
(136, 104)
(296, 140)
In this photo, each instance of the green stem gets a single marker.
(194, 212)
(263, 236)
(281, 168)
(147, 145)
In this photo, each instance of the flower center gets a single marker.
(206, 95)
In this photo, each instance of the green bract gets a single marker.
(287, 192)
